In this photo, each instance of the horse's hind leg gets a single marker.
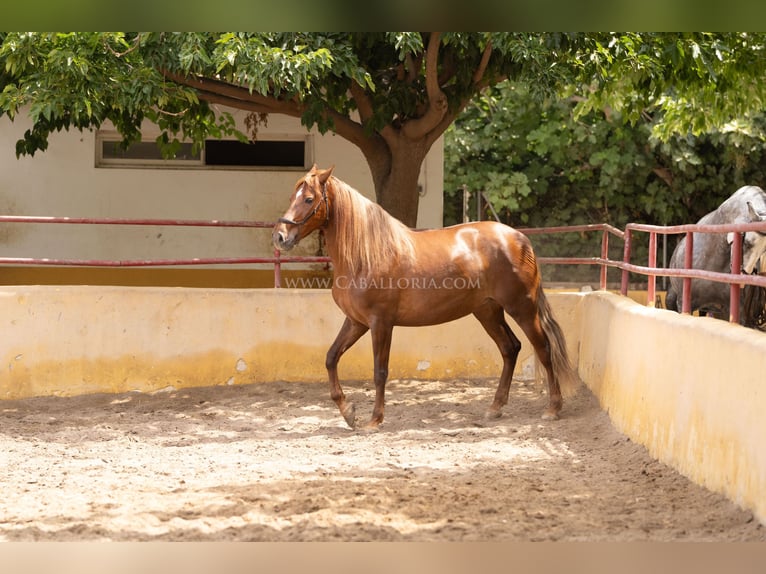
(533, 330)
(532, 315)
(348, 335)
(491, 317)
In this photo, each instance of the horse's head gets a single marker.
(309, 210)
(754, 243)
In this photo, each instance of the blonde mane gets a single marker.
(368, 238)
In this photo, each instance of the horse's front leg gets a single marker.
(381, 349)
(348, 335)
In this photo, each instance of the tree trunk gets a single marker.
(395, 174)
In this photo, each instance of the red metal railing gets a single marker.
(603, 261)
(277, 260)
(735, 278)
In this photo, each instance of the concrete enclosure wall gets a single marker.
(690, 389)
(73, 340)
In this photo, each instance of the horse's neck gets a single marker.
(331, 242)
(331, 233)
(350, 253)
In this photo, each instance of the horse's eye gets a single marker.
(309, 200)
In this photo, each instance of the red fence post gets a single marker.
(686, 306)
(625, 259)
(736, 269)
(652, 280)
(604, 256)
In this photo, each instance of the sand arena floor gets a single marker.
(276, 462)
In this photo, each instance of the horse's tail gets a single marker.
(565, 373)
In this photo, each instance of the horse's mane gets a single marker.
(369, 239)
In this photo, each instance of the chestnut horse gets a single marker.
(386, 274)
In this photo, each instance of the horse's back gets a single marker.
(487, 251)
(483, 243)
(488, 234)
(508, 263)
(734, 209)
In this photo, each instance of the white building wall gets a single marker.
(63, 181)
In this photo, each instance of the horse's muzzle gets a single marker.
(282, 239)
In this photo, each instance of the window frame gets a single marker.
(107, 136)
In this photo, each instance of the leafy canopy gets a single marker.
(686, 82)
(694, 82)
(540, 164)
(393, 94)
(79, 80)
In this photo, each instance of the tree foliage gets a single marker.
(392, 94)
(685, 82)
(546, 163)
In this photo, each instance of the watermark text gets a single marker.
(395, 283)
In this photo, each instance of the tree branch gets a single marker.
(356, 133)
(448, 118)
(441, 127)
(348, 129)
(235, 103)
(235, 96)
(437, 102)
(413, 67)
(218, 92)
(479, 73)
(363, 102)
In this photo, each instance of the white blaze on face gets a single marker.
(754, 246)
(299, 193)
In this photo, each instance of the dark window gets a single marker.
(145, 150)
(278, 153)
(258, 153)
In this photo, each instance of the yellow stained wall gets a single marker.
(691, 389)
(68, 340)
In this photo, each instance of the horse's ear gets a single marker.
(325, 174)
(754, 215)
(313, 169)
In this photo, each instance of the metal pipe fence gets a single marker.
(735, 279)
(276, 260)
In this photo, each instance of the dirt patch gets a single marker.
(276, 462)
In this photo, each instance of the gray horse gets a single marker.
(712, 251)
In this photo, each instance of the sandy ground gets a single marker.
(275, 462)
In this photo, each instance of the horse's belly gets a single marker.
(407, 307)
(434, 308)
(429, 318)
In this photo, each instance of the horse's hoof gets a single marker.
(550, 416)
(493, 414)
(371, 427)
(350, 415)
